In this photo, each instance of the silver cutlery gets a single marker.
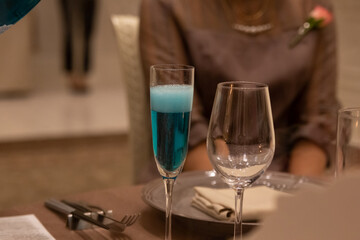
(127, 220)
(81, 216)
(64, 209)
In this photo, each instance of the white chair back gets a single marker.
(127, 30)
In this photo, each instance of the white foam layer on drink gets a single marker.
(171, 98)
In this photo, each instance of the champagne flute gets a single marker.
(171, 97)
(241, 139)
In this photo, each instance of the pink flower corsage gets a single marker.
(319, 17)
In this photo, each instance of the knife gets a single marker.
(65, 209)
(85, 208)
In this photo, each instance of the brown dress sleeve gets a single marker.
(161, 41)
(318, 105)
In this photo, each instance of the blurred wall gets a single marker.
(16, 74)
(348, 19)
(106, 68)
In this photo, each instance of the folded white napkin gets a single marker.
(220, 203)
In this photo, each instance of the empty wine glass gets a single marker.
(348, 141)
(241, 140)
(171, 97)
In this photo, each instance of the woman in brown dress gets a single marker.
(248, 40)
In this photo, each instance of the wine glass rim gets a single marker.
(242, 85)
(353, 112)
(172, 67)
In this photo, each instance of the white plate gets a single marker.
(154, 194)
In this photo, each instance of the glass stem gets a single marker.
(239, 195)
(169, 185)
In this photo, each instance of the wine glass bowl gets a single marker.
(242, 169)
(241, 139)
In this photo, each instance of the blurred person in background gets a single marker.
(253, 40)
(78, 22)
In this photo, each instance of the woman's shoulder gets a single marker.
(308, 5)
(293, 13)
(174, 5)
(325, 3)
(174, 2)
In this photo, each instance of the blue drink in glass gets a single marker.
(170, 118)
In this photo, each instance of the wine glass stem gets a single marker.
(169, 185)
(239, 195)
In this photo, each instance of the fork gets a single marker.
(126, 221)
(114, 225)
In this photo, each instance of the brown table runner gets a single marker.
(123, 200)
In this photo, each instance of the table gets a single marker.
(122, 200)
